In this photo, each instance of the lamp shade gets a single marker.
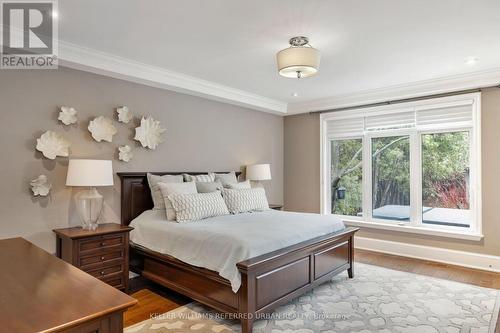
(259, 172)
(90, 173)
(298, 62)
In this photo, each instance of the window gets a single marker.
(446, 179)
(413, 165)
(347, 176)
(391, 178)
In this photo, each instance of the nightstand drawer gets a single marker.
(101, 242)
(101, 257)
(104, 272)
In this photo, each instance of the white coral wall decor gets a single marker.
(40, 186)
(124, 114)
(67, 115)
(125, 153)
(52, 144)
(102, 128)
(149, 134)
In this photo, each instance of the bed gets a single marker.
(255, 286)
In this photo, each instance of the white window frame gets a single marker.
(415, 225)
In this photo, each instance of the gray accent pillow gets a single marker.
(195, 207)
(239, 186)
(153, 181)
(209, 177)
(207, 187)
(168, 189)
(245, 200)
(226, 178)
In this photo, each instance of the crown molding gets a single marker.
(416, 89)
(94, 61)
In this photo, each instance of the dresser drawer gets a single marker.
(99, 258)
(101, 242)
(105, 271)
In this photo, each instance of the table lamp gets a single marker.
(258, 172)
(89, 173)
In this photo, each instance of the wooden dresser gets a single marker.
(41, 293)
(103, 253)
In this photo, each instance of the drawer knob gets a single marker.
(102, 243)
(102, 258)
(102, 272)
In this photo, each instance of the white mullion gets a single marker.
(415, 179)
(367, 178)
(328, 174)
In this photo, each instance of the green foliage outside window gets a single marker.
(445, 171)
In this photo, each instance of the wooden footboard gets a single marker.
(268, 281)
(275, 278)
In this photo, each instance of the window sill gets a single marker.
(416, 230)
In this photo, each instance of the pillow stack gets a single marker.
(195, 197)
(158, 202)
(168, 189)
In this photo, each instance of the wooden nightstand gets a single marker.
(102, 253)
(276, 207)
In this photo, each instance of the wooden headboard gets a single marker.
(135, 193)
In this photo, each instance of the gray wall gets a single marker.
(202, 135)
(302, 178)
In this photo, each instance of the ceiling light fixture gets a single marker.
(299, 60)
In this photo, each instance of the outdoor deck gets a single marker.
(440, 216)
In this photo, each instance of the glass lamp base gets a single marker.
(89, 207)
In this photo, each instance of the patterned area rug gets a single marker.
(376, 300)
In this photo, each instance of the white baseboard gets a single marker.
(453, 257)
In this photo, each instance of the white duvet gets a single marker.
(219, 243)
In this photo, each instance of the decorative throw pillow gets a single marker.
(245, 200)
(210, 177)
(168, 189)
(226, 178)
(207, 187)
(239, 186)
(153, 181)
(194, 207)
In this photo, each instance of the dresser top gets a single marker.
(102, 229)
(43, 293)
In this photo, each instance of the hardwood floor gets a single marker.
(150, 303)
(443, 271)
(154, 299)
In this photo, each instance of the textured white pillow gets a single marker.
(210, 177)
(245, 200)
(168, 189)
(153, 180)
(194, 207)
(239, 186)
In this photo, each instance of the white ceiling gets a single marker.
(365, 44)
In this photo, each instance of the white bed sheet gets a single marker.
(219, 243)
